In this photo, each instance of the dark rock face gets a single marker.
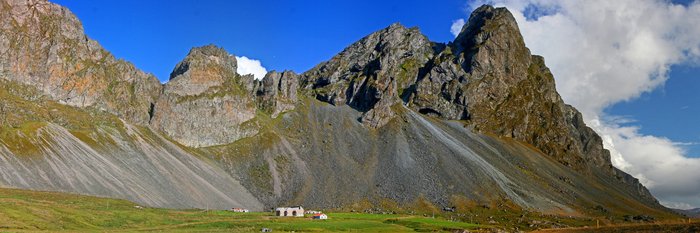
(206, 102)
(320, 155)
(372, 74)
(512, 93)
(43, 45)
(277, 92)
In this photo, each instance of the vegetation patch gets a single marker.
(22, 210)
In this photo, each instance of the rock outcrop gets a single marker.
(372, 74)
(206, 102)
(43, 45)
(277, 92)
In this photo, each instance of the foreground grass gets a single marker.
(670, 227)
(22, 210)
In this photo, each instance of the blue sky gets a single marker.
(670, 111)
(660, 118)
(295, 35)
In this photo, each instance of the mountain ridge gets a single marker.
(482, 98)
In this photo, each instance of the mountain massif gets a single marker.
(393, 118)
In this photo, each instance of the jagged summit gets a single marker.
(371, 74)
(201, 57)
(485, 22)
(203, 68)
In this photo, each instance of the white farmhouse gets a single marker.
(294, 211)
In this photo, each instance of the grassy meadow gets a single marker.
(28, 211)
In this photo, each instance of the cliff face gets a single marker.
(277, 92)
(512, 93)
(406, 118)
(43, 45)
(205, 102)
(372, 74)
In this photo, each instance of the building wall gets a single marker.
(290, 212)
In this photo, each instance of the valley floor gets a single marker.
(29, 211)
(33, 211)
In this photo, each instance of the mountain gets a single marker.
(43, 45)
(393, 121)
(693, 213)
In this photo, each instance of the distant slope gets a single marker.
(61, 148)
(693, 213)
(320, 155)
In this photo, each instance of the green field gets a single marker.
(22, 210)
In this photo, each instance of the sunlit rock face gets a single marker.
(43, 45)
(206, 102)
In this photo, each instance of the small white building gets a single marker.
(294, 211)
(240, 210)
(320, 216)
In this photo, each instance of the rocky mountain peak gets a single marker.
(44, 45)
(202, 57)
(206, 102)
(371, 74)
(486, 77)
(487, 22)
(203, 68)
(489, 74)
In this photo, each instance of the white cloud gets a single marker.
(659, 163)
(250, 66)
(606, 52)
(456, 27)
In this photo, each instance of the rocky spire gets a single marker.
(203, 68)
